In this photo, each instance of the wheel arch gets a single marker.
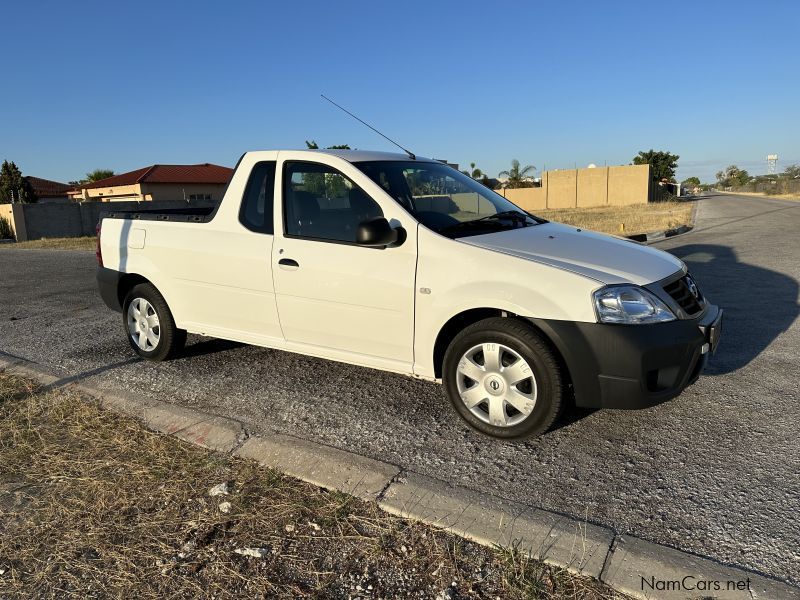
(127, 282)
(467, 317)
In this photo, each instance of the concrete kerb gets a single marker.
(215, 433)
(646, 570)
(630, 565)
(657, 236)
(563, 541)
(324, 466)
(649, 238)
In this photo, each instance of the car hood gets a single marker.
(602, 257)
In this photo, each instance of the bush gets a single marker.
(6, 232)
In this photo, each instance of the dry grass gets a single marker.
(625, 220)
(73, 243)
(94, 505)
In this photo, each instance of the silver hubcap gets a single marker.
(496, 384)
(143, 324)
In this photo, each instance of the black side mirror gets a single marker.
(377, 233)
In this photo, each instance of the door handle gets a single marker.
(288, 264)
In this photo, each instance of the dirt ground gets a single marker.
(94, 505)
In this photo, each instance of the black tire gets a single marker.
(171, 340)
(524, 340)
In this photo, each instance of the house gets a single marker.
(159, 182)
(48, 191)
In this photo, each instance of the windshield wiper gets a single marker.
(488, 220)
(504, 214)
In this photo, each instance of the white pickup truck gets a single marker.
(403, 264)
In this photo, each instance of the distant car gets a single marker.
(403, 264)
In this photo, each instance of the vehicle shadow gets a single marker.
(571, 414)
(208, 346)
(759, 304)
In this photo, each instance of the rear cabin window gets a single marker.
(259, 197)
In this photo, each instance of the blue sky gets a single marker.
(124, 85)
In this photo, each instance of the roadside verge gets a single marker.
(657, 236)
(630, 565)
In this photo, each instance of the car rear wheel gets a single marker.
(149, 325)
(503, 379)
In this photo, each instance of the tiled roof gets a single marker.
(203, 173)
(44, 188)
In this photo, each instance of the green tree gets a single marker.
(792, 172)
(516, 176)
(13, 186)
(312, 145)
(690, 181)
(478, 175)
(98, 174)
(663, 163)
(732, 176)
(743, 178)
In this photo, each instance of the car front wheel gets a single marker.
(503, 379)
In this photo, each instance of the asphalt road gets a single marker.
(715, 471)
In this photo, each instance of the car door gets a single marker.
(332, 293)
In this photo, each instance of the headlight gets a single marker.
(630, 305)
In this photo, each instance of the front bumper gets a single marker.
(634, 366)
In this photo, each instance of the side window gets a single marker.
(259, 194)
(321, 203)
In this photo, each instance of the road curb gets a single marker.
(648, 238)
(625, 563)
(324, 466)
(215, 433)
(657, 236)
(196, 427)
(646, 570)
(563, 541)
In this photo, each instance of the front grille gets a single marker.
(680, 291)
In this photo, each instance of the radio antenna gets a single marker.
(411, 155)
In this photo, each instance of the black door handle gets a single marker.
(288, 262)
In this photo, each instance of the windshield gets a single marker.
(446, 200)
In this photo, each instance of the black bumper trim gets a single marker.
(108, 285)
(632, 366)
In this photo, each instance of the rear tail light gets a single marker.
(99, 252)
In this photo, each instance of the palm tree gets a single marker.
(474, 172)
(517, 176)
(99, 174)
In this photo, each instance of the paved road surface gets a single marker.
(715, 471)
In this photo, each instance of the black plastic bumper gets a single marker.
(108, 285)
(634, 366)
